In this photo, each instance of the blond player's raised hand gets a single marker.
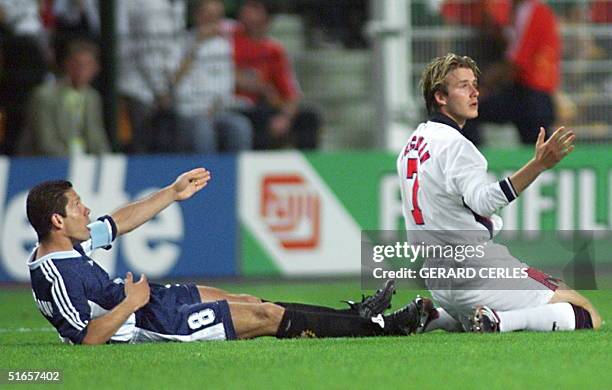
(190, 182)
(548, 153)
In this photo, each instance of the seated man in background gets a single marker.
(204, 84)
(86, 307)
(520, 90)
(24, 66)
(64, 116)
(267, 84)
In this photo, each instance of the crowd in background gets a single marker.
(203, 76)
(519, 48)
(34, 40)
(190, 79)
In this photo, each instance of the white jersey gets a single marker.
(444, 182)
(447, 195)
(209, 83)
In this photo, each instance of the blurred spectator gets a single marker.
(521, 89)
(335, 23)
(476, 12)
(22, 17)
(75, 19)
(580, 47)
(488, 18)
(601, 13)
(2, 105)
(267, 84)
(47, 16)
(24, 64)
(148, 32)
(64, 116)
(204, 86)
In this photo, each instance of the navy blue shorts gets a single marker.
(176, 312)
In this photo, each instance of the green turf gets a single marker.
(518, 360)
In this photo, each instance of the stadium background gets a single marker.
(288, 215)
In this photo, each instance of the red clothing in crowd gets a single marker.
(269, 60)
(471, 12)
(535, 46)
(46, 14)
(601, 11)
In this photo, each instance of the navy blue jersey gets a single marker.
(70, 289)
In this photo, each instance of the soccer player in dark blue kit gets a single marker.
(86, 307)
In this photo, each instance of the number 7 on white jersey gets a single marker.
(412, 174)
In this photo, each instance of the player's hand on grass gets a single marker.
(560, 144)
(190, 182)
(137, 294)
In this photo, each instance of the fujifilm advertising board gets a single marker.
(302, 214)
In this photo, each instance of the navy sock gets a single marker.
(313, 308)
(296, 323)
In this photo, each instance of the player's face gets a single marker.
(77, 217)
(461, 102)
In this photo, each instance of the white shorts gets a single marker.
(459, 298)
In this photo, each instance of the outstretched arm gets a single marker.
(466, 172)
(184, 187)
(547, 155)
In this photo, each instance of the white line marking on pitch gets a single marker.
(27, 330)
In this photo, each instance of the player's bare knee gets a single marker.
(268, 312)
(246, 298)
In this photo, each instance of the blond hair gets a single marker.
(434, 76)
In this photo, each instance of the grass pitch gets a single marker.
(434, 360)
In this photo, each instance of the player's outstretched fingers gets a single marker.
(556, 143)
(558, 134)
(541, 137)
(565, 136)
(129, 278)
(198, 173)
(199, 177)
(568, 143)
(190, 182)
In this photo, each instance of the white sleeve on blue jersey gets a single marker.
(466, 176)
(102, 233)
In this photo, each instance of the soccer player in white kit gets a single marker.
(445, 187)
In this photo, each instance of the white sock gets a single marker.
(554, 316)
(444, 321)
